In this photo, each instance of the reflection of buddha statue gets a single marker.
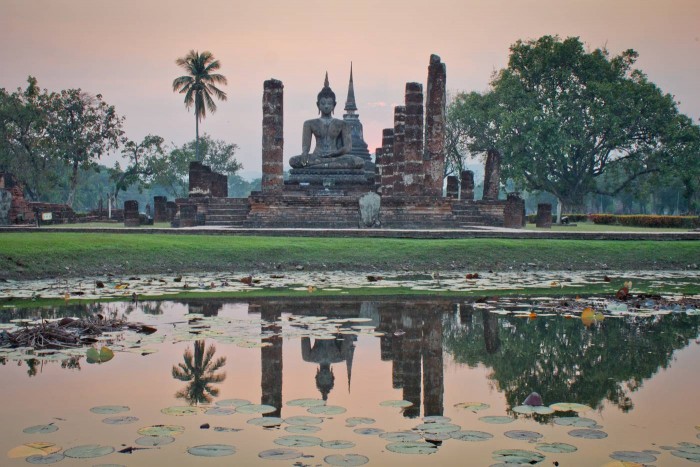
(326, 352)
(333, 139)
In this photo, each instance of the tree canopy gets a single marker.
(562, 116)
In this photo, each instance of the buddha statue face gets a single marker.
(326, 105)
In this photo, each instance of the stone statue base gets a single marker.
(318, 176)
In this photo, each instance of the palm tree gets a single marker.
(199, 85)
(199, 369)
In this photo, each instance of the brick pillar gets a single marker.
(159, 212)
(544, 216)
(452, 186)
(399, 140)
(467, 185)
(514, 212)
(170, 210)
(388, 169)
(492, 175)
(188, 215)
(378, 166)
(131, 213)
(435, 118)
(413, 142)
(272, 136)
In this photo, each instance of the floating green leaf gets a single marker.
(412, 447)
(232, 402)
(633, 456)
(212, 450)
(436, 419)
(558, 448)
(39, 448)
(523, 435)
(354, 421)
(579, 422)
(688, 451)
(298, 441)
(337, 444)
(266, 422)
(153, 441)
(99, 356)
(303, 420)
(327, 410)
(306, 402)
(346, 460)
(301, 429)
(40, 429)
(181, 411)
(109, 409)
(569, 407)
(161, 430)
(438, 427)
(220, 411)
(470, 435)
(588, 433)
(123, 420)
(368, 431)
(533, 409)
(255, 408)
(497, 419)
(400, 436)
(88, 451)
(517, 456)
(45, 460)
(395, 403)
(280, 454)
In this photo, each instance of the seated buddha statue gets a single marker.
(333, 139)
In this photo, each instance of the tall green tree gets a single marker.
(80, 129)
(144, 159)
(562, 117)
(199, 85)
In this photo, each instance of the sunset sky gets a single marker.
(126, 50)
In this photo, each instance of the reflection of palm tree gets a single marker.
(199, 368)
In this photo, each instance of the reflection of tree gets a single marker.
(199, 369)
(565, 361)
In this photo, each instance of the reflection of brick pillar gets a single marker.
(159, 211)
(412, 364)
(514, 212)
(271, 360)
(272, 136)
(452, 186)
(435, 116)
(413, 142)
(544, 215)
(399, 140)
(131, 213)
(492, 175)
(388, 168)
(433, 377)
(467, 186)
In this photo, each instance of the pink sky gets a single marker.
(125, 50)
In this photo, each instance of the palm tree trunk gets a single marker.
(196, 145)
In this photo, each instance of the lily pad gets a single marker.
(436, 419)
(88, 451)
(396, 403)
(633, 456)
(109, 409)
(306, 402)
(266, 422)
(438, 427)
(181, 411)
(470, 435)
(523, 435)
(368, 431)
(45, 460)
(327, 410)
(39, 448)
(232, 402)
(569, 407)
(473, 406)
(255, 408)
(298, 441)
(220, 411)
(588, 433)
(687, 451)
(303, 420)
(558, 448)
(579, 422)
(337, 444)
(280, 454)
(102, 355)
(302, 429)
(212, 450)
(412, 447)
(153, 441)
(161, 430)
(436, 437)
(497, 419)
(346, 460)
(396, 436)
(533, 409)
(40, 429)
(354, 421)
(517, 456)
(123, 420)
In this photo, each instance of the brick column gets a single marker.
(544, 216)
(131, 213)
(467, 185)
(492, 175)
(413, 144)
(399, 139)
(435, 119)
(272, 136)
(514, 212)
(452, 186)
(388, 168)
(159, 212)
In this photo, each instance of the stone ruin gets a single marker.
(407, 175)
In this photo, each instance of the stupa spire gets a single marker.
(350, 106)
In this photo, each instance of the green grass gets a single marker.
(53, 254)
(591, 227)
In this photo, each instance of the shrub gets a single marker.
(606, 219)
(639, 220)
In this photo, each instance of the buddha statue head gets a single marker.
(326, 99)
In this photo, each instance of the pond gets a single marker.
(340, 381)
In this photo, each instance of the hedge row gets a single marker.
(684, 222)
(532, 218)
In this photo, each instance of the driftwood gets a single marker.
(67, 332)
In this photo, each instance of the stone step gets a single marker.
(229, 211)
